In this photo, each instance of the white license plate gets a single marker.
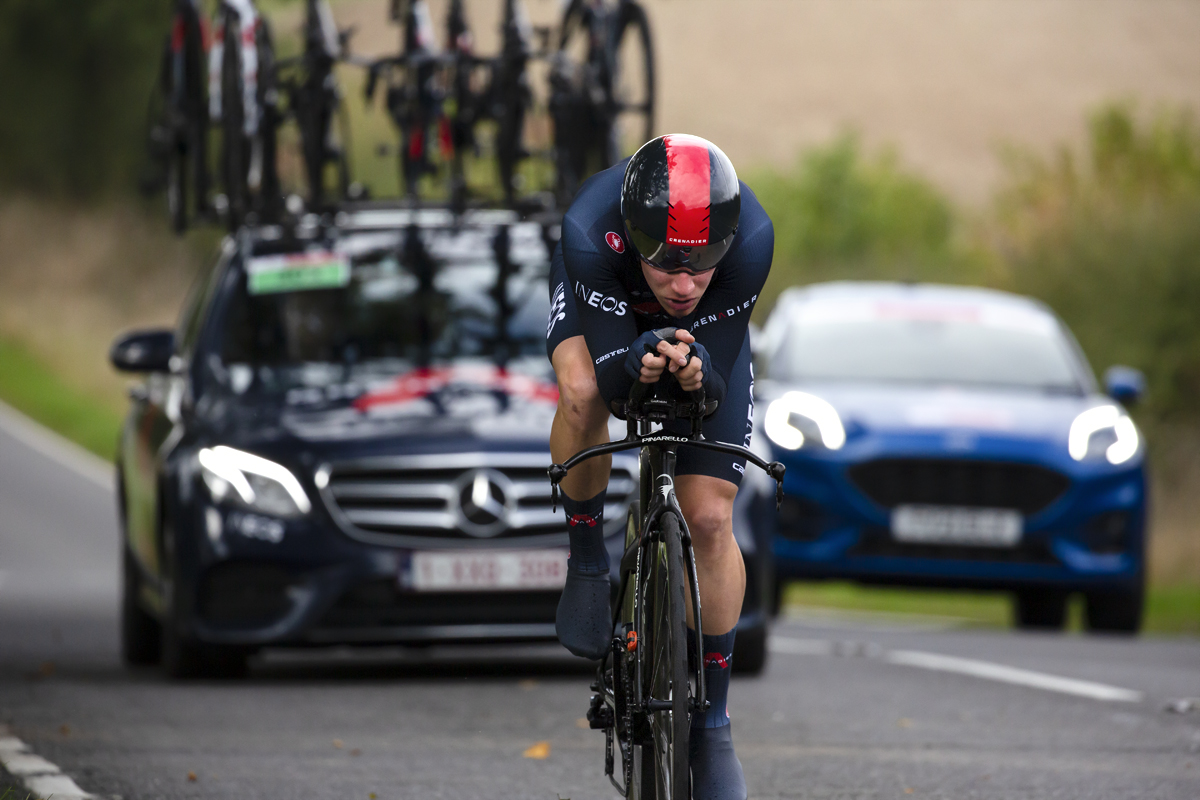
(984, 527)
(454, 571)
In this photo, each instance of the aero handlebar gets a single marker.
(644, 405)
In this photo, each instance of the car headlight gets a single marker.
(798, 417)
(253, 481)
(1104, 429)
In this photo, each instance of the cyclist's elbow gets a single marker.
(579, 401)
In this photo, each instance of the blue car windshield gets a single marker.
(1024, 351)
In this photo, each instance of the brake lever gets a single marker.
(777, 470)
(556, 472)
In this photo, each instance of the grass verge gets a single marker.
(32, 388)
(1173, 609)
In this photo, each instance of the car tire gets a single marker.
(141, 634)
(1117, 611)
(777, 596)
(1040, 609)
(182, 655)
(750, 651)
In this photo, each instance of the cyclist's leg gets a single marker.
(583, 620)
(706, 485)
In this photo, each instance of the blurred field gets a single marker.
(947, 82)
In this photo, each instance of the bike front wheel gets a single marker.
(667, 688)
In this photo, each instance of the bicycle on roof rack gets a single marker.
(177, 120)
(441, 97)
(648, 685)
(602, 83)
(315, 101)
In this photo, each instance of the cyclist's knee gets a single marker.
(707, 503)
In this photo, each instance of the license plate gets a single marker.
(983, 527)
(453, 571)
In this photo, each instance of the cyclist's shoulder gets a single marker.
(594, 217)
(754, 244)
(753, 219)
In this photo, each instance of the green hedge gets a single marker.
(1106, 233)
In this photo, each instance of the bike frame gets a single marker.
(248, 18)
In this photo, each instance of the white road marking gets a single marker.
(41, 777)
(962, 666)
(1013, 675)
(55, 447)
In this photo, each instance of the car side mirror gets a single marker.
(1124, 384)
(143, 351)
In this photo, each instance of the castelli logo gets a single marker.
(716, 659)
(583, 519)
(615, 242)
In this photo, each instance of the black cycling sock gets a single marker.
(585, 527)
(583, 620)
(718, 657)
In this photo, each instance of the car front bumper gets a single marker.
(1090, 537)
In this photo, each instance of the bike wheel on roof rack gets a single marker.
(268, 197)
(632, 83)
(578, 129)
(234, 142)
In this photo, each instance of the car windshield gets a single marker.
(374, 315)
(930, 344)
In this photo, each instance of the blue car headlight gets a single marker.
(1104, 429)
(798, 418)
(253, 482)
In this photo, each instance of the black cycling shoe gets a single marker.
(583, 621)
(716, 771)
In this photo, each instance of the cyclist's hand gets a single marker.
(691, 377)
(676, 356)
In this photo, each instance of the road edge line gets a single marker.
(1013, 675)
(43, 779)
(56, 447)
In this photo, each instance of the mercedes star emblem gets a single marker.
(483, 500)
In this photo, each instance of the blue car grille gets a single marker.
(878, 542)
(959, 482)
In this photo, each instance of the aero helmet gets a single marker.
(680, 202)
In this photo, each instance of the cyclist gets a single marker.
(669, 238)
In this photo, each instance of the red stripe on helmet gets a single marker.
(688, 176)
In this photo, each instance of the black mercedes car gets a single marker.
(344, 442)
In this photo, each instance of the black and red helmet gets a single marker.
(680, 202)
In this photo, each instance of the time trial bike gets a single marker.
(649, 684)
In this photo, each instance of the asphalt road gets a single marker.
(846, 708)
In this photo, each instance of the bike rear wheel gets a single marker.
(665, 669)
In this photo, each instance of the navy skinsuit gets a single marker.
(597, 289)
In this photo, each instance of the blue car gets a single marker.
(953, 437)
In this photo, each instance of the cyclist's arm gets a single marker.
(605, 313)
